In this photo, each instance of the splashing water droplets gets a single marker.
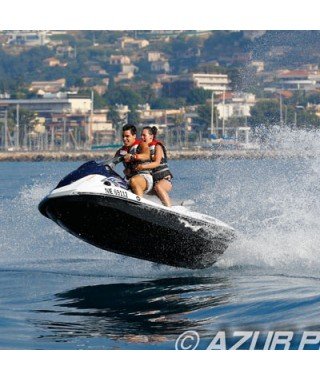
(277, 207)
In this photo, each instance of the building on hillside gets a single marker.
(161, 66)
(296, 80)
(65, 51)
(100, 89)
(123, 76)
(66, 121)
(5, 95)
(123, 112)
(54, 62)
(311, 67)
(105, 81)
(97, 69)
(153, 56)
(119, 60)
(212, 82)
(236, 104)
(156, 87)
(128, 42)
(129, 69)
(180, 86)
(163, 117)
(102, 130)
(47, 86)
(66, 103)
(87, 80)
(28, 38)
(127, 72)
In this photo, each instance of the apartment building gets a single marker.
(236, 104)
(163, 117)
(297, 80)
(29, 38)
(181, 85)
(72, 104)
(102, 131)
(212, 82)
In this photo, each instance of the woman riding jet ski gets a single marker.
(96, 205)
(161, 174)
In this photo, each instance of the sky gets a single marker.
(164, 14)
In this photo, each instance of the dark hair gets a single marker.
(152, 130)
(129, 127)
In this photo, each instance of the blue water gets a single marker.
(57, 292)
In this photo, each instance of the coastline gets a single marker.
(173, 155)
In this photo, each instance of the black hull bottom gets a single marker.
(135, 230)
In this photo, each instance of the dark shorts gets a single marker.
(168, 178)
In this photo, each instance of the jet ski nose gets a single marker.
(42, 207)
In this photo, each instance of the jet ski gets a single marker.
(95, 204)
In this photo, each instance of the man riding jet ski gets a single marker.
(134, 152)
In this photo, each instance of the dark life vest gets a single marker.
(162, 171)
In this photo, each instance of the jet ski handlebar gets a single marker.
(115, 161)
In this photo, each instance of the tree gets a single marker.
(168, 103)
(26, 122)
(314, 97)
(117, 122)
(99, 101)
(265, 112)
(134, 117)
(222, 41)
(198, 96)
(123, 95)
(181, 44)
(306, 119)
(204, 113)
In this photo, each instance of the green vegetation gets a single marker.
(87, 63)
(267, 113)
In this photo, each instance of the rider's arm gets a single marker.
(144, 155)
(157, 159)
(115, 160)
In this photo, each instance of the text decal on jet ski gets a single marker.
(117, 192)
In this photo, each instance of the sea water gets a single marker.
(57, 292)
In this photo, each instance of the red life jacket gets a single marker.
(152, 146)
(127, 149)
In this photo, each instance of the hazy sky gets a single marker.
(165, 14)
